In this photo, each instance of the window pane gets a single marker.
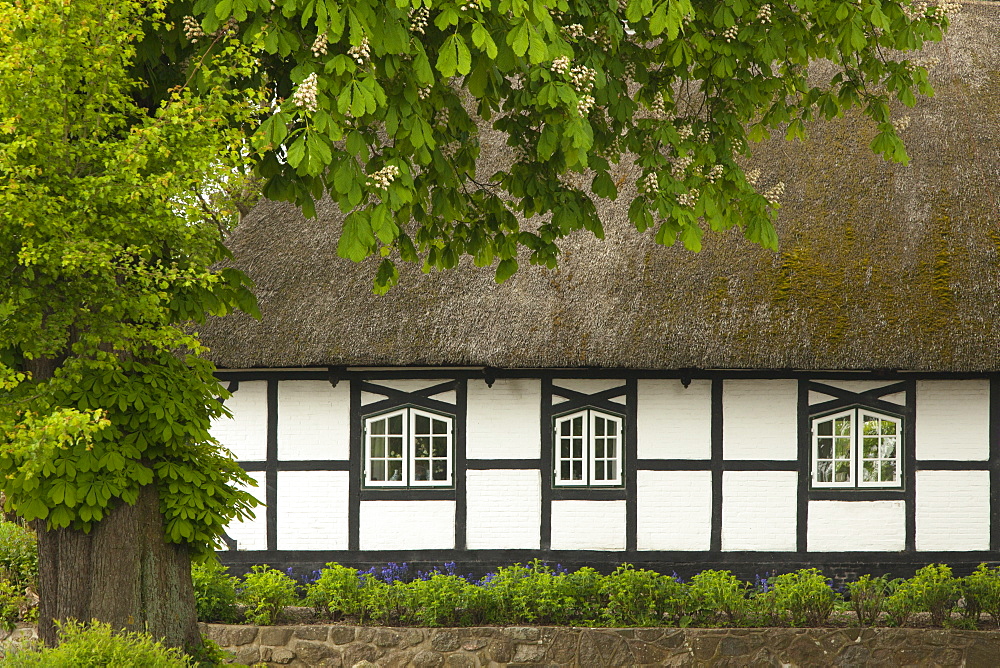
(612, 428)
(843, 426)
(564, 429)
(395, 446)
(599, 471)
(843, 472)
(440, 472)
(870, 472)
(888, 428)
(396, 424)
(564, 450)
(378, 426)
(440, 446)
(395, 470)
(564, 471)
(440, 426)
(378, 446)
(578, 426)
(378, 471)
(610, 449)
(599, 426)
(577, 470)
(421, 470)
(888, 471)
(871, 448)
(843, 448)
(888, 449)
(870, 425)
(423, 424)
(422, 446)
(599, 447)
(825, 448)
(824, 471)
(825, 428)
(577, 448)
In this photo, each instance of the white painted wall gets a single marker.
(503, 510)
(857, 386)
(953, 419)
(674, 510)
(246, 433)
(503, 421)
(759, 510)
(252, 534)
(953, 510)
(412, 385)
(407, 525)
(674, 422)
(856, 526)
(312, 510)
(759, 419)
(588, 525)
(314, 420)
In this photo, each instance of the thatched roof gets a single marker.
(881, 267)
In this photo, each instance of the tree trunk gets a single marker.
(123, 572)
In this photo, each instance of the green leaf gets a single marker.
(506, 269)
(356, 238)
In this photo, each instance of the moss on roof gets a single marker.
(881, 266)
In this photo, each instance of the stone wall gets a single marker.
(368, 647)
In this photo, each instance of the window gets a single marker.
(588, 448)
(838, 461)
(408, 448)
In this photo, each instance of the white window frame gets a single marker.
(410, 458)
(856, 449)
(589, 453)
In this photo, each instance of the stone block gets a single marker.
(234, 636)
(427, 659)
(460, 660)
(446, 641)
(248, 654)
(281, 655)
(274, 636)
(501, 651)
(386, 638)
(311, 632)
(522, 632)
(528, 654)
(315, 652)
(340, 635)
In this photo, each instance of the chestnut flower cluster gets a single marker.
(319, 46)
(764, 14)
(361, 52)
(418, 19)
(383, 177)
(649, 184)
(305, 95)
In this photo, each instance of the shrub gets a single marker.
(868, 598)
(96, 645)
(936, 591)
(387, 603)
(214, 591)
(981, 593)
(901, 603)
(802, 598)
(266, 592)
(446, 600)
(337, 592)
(18, 555)
(718, 597)
(642, 598)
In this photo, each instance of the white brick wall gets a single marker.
(503, 420)
(588, 525)
(312, 510)
(314, 420)
(504, 510)
(674, 510)
(759, 419)
(252, 534)
(407, 525)
(953, 419)
(246, 433)
(953, 510)
(856, 526)
(758, 510)
(674, 422)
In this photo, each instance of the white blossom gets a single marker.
(360, 52)
(304, 96)
(383, 177)
(319, 46)
(418, 19)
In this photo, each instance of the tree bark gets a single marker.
(123, 572)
